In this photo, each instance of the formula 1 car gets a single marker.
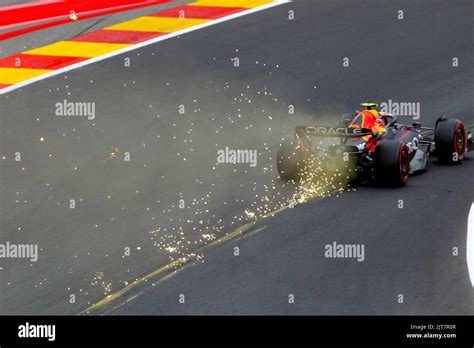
(386, 158)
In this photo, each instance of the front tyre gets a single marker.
(392, 163)
(450, 141)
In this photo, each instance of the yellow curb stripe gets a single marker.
(157, 24)
(10, 76)
(231, 3)
(77, 49)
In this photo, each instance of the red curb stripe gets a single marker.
(116, 36)
(45, 10)
(3, 86)
(81, 16)
(31, 61)
(201, 12)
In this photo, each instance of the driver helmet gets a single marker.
(371, 107)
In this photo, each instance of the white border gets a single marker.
(141, 44)
(470, 244)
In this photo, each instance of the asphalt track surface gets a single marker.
(135, 204)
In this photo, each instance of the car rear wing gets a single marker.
(339, 132)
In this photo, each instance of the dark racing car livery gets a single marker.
(387, 157)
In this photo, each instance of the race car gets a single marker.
(387, 153)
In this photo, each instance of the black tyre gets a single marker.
(450, 141)
(392, 163)
(290, 159)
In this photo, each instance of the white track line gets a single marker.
(470, 244)
(142, 44)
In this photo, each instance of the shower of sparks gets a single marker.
(98, 280)
(176, 232)
(179, 241)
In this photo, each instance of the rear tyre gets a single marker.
(450, 141)
(392, 163)
(290, 159)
